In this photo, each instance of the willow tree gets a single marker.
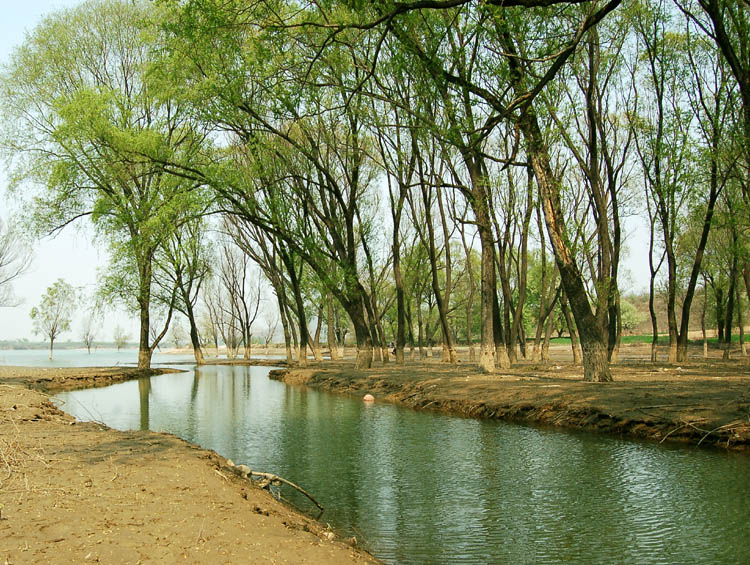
(727, 23)
(296, 162)
(488, 76)
(83, 122)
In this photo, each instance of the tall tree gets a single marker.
(84, 119)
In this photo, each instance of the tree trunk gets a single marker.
(400, 302)
(317, 355)
(287, 333)
(547, 336)
(703, 319)
(51, 341)
(332, 330)
(720, 313)
(420, 334)
(575, 344)
(479, 200)
(651, 295)
(194, 336)
(715, 190)
(469, 298)
(487, 293)
(615, 328)
(740, 321)
(594, 346)
(502, 359)
(364, 345)
(144, 304)
(730, 310)
(449, 346)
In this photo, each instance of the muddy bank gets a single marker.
(72, 378)
(702, 403)
(74, 492)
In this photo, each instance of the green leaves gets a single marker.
(53, 315)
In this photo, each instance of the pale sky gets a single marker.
(73, 257)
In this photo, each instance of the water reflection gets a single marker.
(144, 390)
(427, 488)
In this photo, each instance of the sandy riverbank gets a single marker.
(74, 492)
(704, 402)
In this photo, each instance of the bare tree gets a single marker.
(272, 323)
(15, 258)
(91, 324)
(243, 289)
(177, 335)
(120, 337)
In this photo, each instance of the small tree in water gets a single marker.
(52, 316)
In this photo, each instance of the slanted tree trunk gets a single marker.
(715, 190)
(195, 338)
(593, 340)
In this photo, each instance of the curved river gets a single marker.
(421, 487)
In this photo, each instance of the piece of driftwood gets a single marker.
(268, 479)
(271, 478)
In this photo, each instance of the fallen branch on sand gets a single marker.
(268, 479)
(726, 427)
(271, 478)
(684, 425)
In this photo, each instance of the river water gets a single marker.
(420, 487)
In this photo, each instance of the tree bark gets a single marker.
(575, 343)
(317, 355)
(593, 344)
(144, 304)
(332, 346)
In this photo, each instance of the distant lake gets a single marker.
(101, 357)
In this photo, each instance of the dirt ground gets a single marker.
(74, 492)
(703, 401)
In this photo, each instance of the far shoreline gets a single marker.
(702, 402)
